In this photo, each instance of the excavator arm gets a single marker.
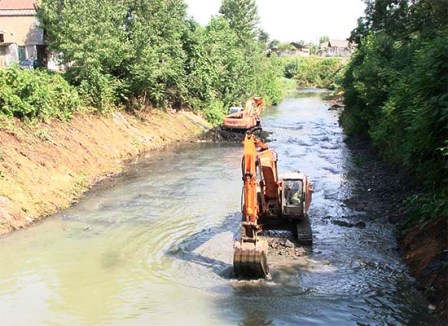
(250, 252)
(249, 164)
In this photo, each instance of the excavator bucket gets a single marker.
(250, 259)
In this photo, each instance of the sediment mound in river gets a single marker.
(220, 134)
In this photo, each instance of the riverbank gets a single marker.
(47, 167)
(423, 247)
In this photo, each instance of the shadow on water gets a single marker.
(187, 249)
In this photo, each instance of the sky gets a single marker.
(294, 20)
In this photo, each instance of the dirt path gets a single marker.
(47, 167)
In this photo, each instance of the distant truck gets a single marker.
(245, 118)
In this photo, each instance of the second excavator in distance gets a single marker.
(245, 118)
(269, 202)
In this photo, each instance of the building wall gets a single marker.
(21, 35)
(9, 54)
(22, 30)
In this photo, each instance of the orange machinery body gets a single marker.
(268, 202)
(265, 199)
(246, 118)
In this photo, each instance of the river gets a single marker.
(153, 246)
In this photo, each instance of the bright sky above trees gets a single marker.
(294, 20)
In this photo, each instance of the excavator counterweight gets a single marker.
(268, 202)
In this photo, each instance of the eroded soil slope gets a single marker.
(46, 167)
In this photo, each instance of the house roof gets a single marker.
(338, 43)
(17, 4)
(297, 45)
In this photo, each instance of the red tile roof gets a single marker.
(16, 4)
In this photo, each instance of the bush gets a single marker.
(36, 94)
(314, 71)
(97, 89)
(215, 112)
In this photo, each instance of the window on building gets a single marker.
(2, 38)
(22, 53)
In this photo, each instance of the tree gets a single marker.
(324, 39)
(119, 50)
(155, 67)
(273, 43)
(148, 52)
(263, 36)
(313, 48)
(396, 94)
(89, 36)
(242, 16)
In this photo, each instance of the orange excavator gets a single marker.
(246, 118)
(268, 203)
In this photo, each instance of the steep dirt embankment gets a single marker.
(45, 168)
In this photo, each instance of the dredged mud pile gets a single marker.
(220, 134)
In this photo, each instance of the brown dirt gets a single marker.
(426, 253)
(424, 247)
(220, 134)
(48, 166)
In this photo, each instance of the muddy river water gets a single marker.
(154, 246)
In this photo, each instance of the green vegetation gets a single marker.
(30, 94)
(396, 92)
(144, 53)
(137, 54)
(315, 71)
(324, 39)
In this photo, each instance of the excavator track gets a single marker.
(304, 232)
(250, 259)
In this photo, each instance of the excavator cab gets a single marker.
(296, 199)
(235, 109)
(293, 196)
